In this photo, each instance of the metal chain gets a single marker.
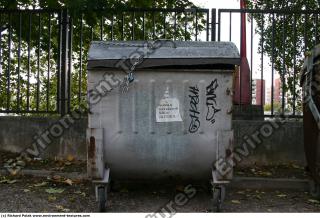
(129, 78)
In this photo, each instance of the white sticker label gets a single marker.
(168, 110)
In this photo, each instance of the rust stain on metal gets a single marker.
(92, 148)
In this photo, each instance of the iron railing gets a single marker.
(43, 52)
(284, 36)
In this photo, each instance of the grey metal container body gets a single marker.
(172, 123)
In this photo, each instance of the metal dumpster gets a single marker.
(172, 121)
(310, 82)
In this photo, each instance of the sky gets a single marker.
(235, 36)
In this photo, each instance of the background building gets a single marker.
(258, 92)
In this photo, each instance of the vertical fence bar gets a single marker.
(91, 32)
(112, 24)
(9, 61)
(19, 61)
(38, 62)
(80, 57)
(59, 61)
(144, 25)
(29, 66)
(153, 25)
(69, 79)
(305, 32)
(294, 63)
(219, 26)
(213, 24)
(208, 26)
(196, 25)
(262, 51)
(122, 26)
(251, 56)
(230, 25)
(64, 65)
(164, 25)
(175, 25)
(316, 29)
(272, 65)
(185, 25)
(240, 69)
(0, 50)
(101, 27)
(132, 27)
(49, 65)
(283, 64)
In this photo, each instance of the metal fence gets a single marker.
(43, 52)
(283, 37)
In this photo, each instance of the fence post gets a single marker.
(213, 24)
(64, 84)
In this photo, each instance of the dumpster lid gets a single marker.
(162, 53)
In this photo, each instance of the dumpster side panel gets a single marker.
(311, 129)
(166, 125)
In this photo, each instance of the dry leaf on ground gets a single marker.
(54, 190)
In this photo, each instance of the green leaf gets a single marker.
(54, 190)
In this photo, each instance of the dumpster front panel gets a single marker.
(166, 125)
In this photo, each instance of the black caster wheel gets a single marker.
(218, 197)
(314, 189)
(102, 199)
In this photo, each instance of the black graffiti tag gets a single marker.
(212, 101)
(194, 113)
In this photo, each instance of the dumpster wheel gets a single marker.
(218, 192)
(314, 189)
(102, 199)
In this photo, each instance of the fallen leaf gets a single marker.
(61, 208)
(265, 173)
(7, 181)
(68, 181)
(235, 202)
(40, 184)
(297, 167)
(70, 158)
(314, 201)
(258, 196)
(52, 198)
(72, 199)
(56, 177)
(68, 163)
(14, 172)
(11, 181)
(54, 190)
(21, 163)
(80, 193)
